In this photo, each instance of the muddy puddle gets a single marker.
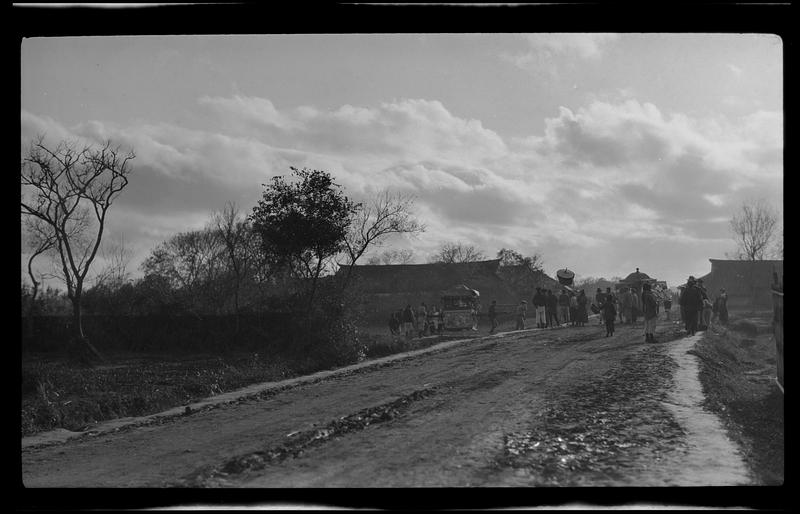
(641, 424)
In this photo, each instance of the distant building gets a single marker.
(748, 283)
(636, 280)
(384, 288)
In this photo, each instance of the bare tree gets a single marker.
(241, 248)
(41, 240)
(192, 264)
(457, 252)
(514, 258)
(387, 213)
(404, 256)
(71, 189)
(753, 228)
(117, 257)
(778, 249)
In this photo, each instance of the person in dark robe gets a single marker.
(609, 312)
(691, 302)
(700, 314)
(551, 308)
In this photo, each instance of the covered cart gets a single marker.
(460, 308)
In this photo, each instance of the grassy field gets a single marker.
(58, 394)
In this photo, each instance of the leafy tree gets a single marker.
(753, 229)
(303, 224)
(71, 189)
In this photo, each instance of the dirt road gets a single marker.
(552, 407)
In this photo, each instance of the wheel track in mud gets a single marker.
(301, 441)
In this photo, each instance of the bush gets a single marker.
(746, 327)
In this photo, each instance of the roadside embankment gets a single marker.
(737, 371)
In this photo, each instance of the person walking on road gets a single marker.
(573, 309)
(650, 311)
(539, 303)
(552, 309)
(701, 316)
(708, 309)
(493, 316)
(626, 304)
(636, 305)
(691, 302)
(599, 300)
(609, 313)
(422, 319)
(521, 311)
(583, 305)
(667, 306)
(721, 307)
(408, 321)
(563, 306)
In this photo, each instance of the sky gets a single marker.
(600, 152)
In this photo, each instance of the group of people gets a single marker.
(630, 305)
(553, 310)
(697, 309)
(422, 321)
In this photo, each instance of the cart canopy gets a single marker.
(460, 291)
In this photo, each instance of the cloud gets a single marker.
(583, 45)
(547, 52)
(597, 177)
(736, 70)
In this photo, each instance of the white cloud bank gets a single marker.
(605, 180)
